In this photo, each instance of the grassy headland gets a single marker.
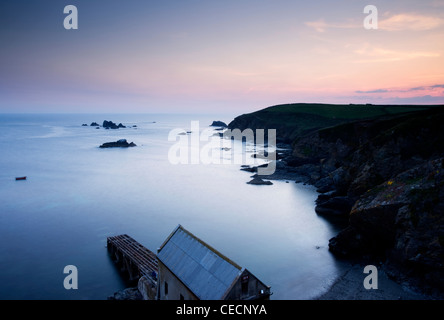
(381, 167)
(294, 120)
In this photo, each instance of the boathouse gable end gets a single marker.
(190, 269)
(248, 287)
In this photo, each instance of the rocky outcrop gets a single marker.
(402, 220)
(259, 181)
(219, 124)
(112, 125)
(333, 205)
(122, 143)
(385, 176)
(127, 294)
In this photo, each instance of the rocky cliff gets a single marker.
(384, 173)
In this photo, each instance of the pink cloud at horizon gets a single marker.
(153, 57)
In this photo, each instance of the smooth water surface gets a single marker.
(77, 195)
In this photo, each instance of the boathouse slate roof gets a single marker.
(206, 272)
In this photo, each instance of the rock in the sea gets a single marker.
(267, 155)
(127, 294)
(112, 125)
(259, 181)
(122, 143)
(219, 124)
(249, 169)
(254, 168)
(94, 124)
(84, 125)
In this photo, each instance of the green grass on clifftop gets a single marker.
(293, 120)
(344, 111)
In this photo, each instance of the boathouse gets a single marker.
(190, 269)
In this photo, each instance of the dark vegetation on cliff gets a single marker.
(381, 167)
(294, 120)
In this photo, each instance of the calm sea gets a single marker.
(76, 195)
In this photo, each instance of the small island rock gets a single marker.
(112, 125)
(219, 124)
(259, 181)
(122, 143)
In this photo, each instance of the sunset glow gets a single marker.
(237, 56)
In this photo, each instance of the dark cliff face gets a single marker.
(402, 221)
(364, 154)
(385, 175)
(391, 168)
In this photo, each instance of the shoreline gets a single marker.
(349, 285)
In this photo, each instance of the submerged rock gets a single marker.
(122, 143)
(249, 169)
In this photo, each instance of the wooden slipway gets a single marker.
(133, 257)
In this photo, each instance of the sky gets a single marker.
(207, 56)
